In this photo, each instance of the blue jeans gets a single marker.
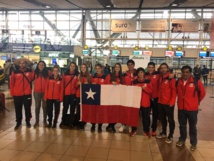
(192, 117)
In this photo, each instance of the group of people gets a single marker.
(159, 92)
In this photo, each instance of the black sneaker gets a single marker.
(54, 125)
(193, 147)
(99, 129)
(17, 126)
(28, 124)
(161, 135)
(36, 125)
(49, 125)
(93, 128)
(61, 124)
(108, 128)
(113, 130)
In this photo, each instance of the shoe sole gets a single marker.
(168, 142)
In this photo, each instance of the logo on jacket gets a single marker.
(166, 81)
(58, 82)
(145, 85)
(102, 80)
(154, 76)
(191, 85)
(27, 74)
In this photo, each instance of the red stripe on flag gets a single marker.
(110, 114)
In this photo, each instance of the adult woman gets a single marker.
(83, 78)
(54, 95)
(70, 81)
(99, 78)
(116, 78)
(40, 80)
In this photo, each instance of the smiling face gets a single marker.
(41, 66)
(151, 69)
(83, 68)
(72, 67)
(130, 66)
(22, 64)
(163, 69)
(186, 74)
(117, 68)
(141, 74)
(55, 72)
(98, 69)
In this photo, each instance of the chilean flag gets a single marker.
(110, 104)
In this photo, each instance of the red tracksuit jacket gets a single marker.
(188, 98)
(40, 83)
(128, 77)
(54, 89)
(100, 79)
(19, 84)
(70, 81)
(166, 90)
(154, 77)
(83, 80)
(146, 92)
(117, 79)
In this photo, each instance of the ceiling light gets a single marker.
(108, 6)
(47, 7)
(174, 4)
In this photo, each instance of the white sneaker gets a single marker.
(121, 128)
(130, 129)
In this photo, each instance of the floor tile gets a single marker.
(116, 144)
(46, 138)
(5, 142)
(141, 156)
(124, 137)
(71, 158)
(208, 159)
(87, 134)
(101, 143)
(94, 159)
(6, 154)
(205, 152)
(37, 147)
(199, 159)
(26, 156)
(57, 148)
(104, 136)
(18, 145)
(65, 140)
(123, 155)
(82, 142)
(157, 157)
(77, 151)
(136, 146)
(12, 135)
(48, 157)
(100, 153)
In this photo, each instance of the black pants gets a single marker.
(68, 100)
(26, 101)
(81, 123)
(191, 117)
(145, 118)
(50, 105)
(167, 113)
(154, 107)
(205, 79)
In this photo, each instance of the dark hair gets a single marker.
(113, 74)
(98, 65)
(140, 69)
(76, 68)
(130, 61)
(55, 66)
(151, 63)
(186, 67)
(44, 72)
(204, 66)
(87, 73)
(165, 65)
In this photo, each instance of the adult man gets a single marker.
(7, 70)
(20, 89)
(197, 72)
(166, 100)
(190, 93)
(205, 73)
(128, 77)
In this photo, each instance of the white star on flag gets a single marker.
(90, 94)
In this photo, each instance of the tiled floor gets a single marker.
(72, 145)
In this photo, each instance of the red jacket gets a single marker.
(128, 77)
(166, 90)
(19, 84)
(83, 80)
(117, 79)
(70, 81)
(146, 92)
(154, 77)
(100, 79)
(54, 89)
(40, 82)
(188, 98)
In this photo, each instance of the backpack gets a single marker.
(195, 83)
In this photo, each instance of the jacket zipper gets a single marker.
(53, 88)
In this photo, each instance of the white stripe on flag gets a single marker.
(128, 96)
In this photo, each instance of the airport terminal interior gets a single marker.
(176, 32)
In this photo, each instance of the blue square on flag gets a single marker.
(91, 94)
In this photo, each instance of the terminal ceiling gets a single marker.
(102, 4)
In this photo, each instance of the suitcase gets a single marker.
(2, 102)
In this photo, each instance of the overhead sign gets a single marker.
(153, 25)
(140, 60)
(123, 25)
(184, 26)
(36, 49)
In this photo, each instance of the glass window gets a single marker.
(24, 15)
(13, 16)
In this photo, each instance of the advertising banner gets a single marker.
(184, 26)
(32, 48)
(140, 60)
(123, 26)
(153, 25)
